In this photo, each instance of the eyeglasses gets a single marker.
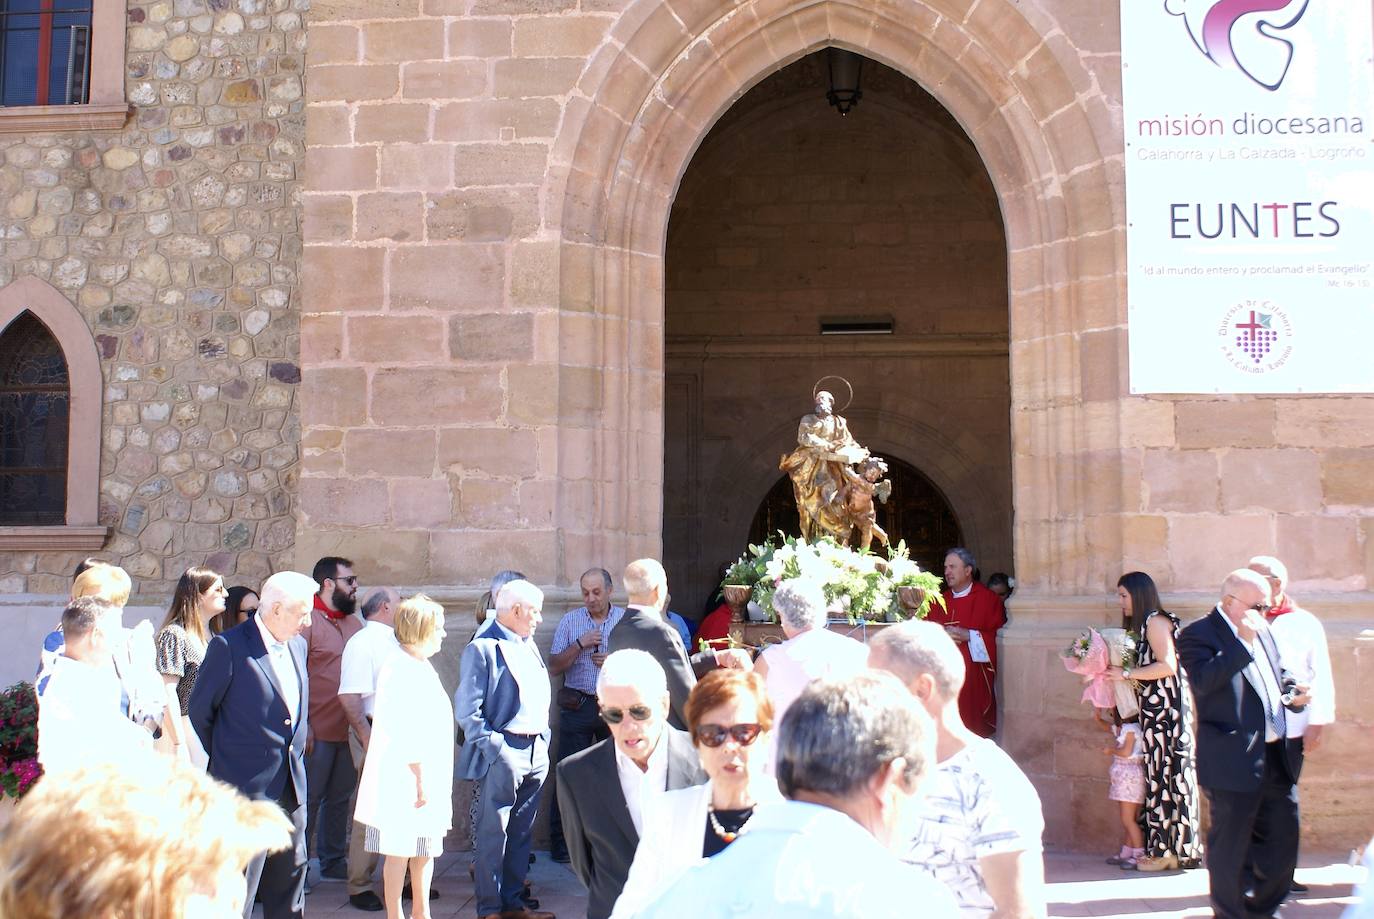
(1260, 607)
(617, 715)
(713, 735)
(350, 580)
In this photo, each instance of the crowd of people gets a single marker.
(821, 777)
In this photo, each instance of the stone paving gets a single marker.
(1079, 885)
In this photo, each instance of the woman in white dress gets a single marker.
(405, 796)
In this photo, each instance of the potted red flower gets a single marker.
(19, 767)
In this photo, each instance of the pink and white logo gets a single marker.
(1243, 34)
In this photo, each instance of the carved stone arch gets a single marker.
(654, 90)
(34, 295)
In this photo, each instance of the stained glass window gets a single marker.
(35, 402)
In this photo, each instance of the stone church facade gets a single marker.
(448, 286)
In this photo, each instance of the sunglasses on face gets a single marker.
(1258, 607)
(617, 715)
(713, 735)
(350, 580)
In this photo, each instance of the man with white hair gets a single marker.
(603, 819)
(1246, 763)
(811, 651)
(1302, 647)
(249, 710)
(502, 707)
(645, 626)
(978, 827)
(851, 758)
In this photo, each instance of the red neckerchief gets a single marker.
(1285, 607)
(328, 613)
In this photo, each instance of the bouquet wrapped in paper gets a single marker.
(1091, 653)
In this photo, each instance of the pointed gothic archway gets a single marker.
(645, 102)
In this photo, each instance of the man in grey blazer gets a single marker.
(502, 706)
(644, 627)
(602, 819)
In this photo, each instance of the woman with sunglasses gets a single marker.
(729, 717)
(240, 605)
(1170, 813)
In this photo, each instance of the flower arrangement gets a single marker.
(19, 767)
(1090, 654)
(858, 585)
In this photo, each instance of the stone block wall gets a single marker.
(178, 238)
(430, 329)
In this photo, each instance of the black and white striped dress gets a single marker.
(1170, 814)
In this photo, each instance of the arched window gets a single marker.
(50, 394)
(35, 404)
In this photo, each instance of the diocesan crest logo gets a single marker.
(1256, 336)
(1244, 35)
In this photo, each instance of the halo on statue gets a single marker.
(817, 388)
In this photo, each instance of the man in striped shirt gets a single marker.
(978, 826)
(579, 647)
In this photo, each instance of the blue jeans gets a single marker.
(505, 822)
(578, 729)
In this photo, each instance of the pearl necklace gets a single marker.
(727, 837)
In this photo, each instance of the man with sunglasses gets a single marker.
(330, 774)
(1247, 766)
(602, 819)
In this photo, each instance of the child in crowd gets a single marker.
(1127, 775)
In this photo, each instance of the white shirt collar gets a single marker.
(636, 785)
(960, 594)
(648, 610)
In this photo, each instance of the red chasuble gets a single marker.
(982, 611)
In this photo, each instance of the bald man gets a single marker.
(645, 627)
(1247, 766)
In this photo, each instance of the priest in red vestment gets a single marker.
(972, 616)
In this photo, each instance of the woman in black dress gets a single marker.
(1170, 814)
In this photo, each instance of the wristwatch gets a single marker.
(1125, 673)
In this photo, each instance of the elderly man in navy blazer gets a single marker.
(502, 706)
(1246, 762)
(248, 708)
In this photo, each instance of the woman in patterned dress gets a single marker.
(1170, 813)
(199, 597)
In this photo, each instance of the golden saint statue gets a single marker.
(832, 498)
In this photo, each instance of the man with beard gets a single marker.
(329, 773)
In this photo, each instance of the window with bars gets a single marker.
(45, 52)
(35, 401)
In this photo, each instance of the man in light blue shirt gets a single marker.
(579, 647)
(851, 753)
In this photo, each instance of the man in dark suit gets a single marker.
(1247, 765)
(502, 706)
(248, 709)
(602, 816)
(644, 627)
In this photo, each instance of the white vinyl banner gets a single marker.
(1249, 195)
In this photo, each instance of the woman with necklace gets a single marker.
(729, 717)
